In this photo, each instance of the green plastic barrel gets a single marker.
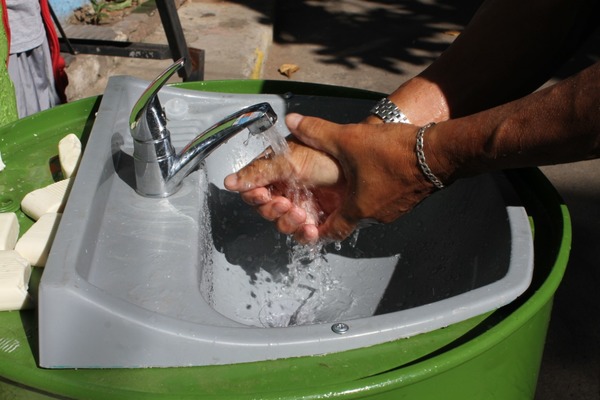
(493, 356)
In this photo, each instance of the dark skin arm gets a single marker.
(506, 51)
(373, 173)
(556, 125)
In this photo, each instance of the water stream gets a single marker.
(302, 293)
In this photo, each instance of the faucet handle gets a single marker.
(148, 106)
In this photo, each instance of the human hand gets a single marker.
(353, 173)
(278, 188)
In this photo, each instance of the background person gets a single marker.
(34, 65)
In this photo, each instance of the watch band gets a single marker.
(389, 112)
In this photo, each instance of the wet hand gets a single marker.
(354, 172)
(294, 191)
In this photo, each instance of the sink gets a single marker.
(198, 278)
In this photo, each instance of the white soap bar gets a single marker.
(14, 280)
(9, 230)
(49, 199)
(69, 154)
(35, 244)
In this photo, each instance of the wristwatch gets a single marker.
(389, 112)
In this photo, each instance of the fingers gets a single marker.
(270, 207)
(306, 234)
(310, 233)
(255, 197)
(291, 221)
(275, 209)
(261, 172)
(289, 218)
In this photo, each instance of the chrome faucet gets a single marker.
(159, 170)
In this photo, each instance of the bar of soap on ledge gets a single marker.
(49, 199)
(9, 230)
(15, 272)
(35, 244)
(69, 154)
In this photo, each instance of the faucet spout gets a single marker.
(256, 118)
(159, 169)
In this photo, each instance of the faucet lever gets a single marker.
(147, 109)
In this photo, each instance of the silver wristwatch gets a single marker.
(389, 112)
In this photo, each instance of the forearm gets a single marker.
(555, 125)
(503, 54)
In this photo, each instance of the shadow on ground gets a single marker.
(390, 31)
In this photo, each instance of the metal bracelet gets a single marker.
(389, 112)
(421, 157)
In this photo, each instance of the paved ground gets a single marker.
(376, 46)
(234, 36)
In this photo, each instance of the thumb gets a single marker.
(314, 132)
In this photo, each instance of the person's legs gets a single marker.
(8, 109)
(33, 79)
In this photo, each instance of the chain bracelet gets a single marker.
(421, 157)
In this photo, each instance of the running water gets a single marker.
(272, 137)
(298, 193)
(303, 290)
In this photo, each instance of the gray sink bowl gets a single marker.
(199, 279)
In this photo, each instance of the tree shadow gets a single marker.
(378, 33)
(382, 33)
